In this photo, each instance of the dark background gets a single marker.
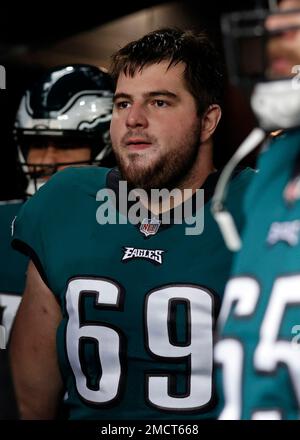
(38, 25)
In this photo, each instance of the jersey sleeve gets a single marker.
(51, 221)
(33, 226)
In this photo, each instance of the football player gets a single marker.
(63, 120)
(131, 306)
(259, 349)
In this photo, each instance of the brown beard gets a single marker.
(168, 171)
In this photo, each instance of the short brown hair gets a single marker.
(204, 71)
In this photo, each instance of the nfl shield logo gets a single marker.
(149, 226)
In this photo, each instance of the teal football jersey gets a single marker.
(13, 265)
(258, 350)
(138, 303)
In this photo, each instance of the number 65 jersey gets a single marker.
(138, 301)
(259, 349)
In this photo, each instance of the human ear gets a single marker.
(209, 121)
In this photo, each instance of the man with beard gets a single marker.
(131, 306)
(258, 348)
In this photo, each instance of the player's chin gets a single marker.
(137, 167)
(139, 161)
(143, 157)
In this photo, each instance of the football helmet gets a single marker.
(262, 61)
(70, 107)
(263, 57)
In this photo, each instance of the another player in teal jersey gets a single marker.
(12, 283)
(13, 266)
(259, 347)
(131, 307)
(62, 120)
(53, 130)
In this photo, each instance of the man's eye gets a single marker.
(122, 104)
(160, 103)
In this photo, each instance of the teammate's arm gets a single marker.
(34, 363)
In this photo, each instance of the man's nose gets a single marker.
(137, 116)
(51, 155)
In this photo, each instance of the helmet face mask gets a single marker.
(253, 45)
(272, 57)
(243, 36)
(262, 48)
(69, 109)
(41, 157)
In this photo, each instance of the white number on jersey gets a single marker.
(270, 351)
(9, 303)
(197, 350)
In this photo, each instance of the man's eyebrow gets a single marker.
(121, 95)
(166, 93)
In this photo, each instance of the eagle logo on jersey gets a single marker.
(284, 231)
(149, 226)
(152, 255)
